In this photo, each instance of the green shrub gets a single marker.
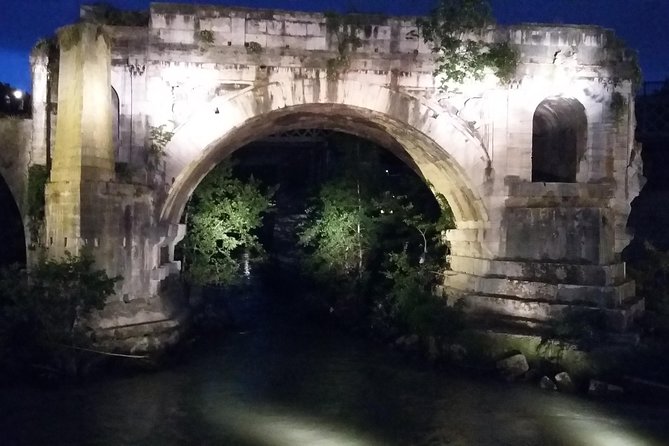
(44, 312)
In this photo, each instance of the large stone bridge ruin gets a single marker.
(539, 173)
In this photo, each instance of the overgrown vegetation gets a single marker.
(224, 215)
(38, 175)
(581, 327)
(45, 314)
(372, 245)
(345, 28)
(619, 55)
(650, 271)
(457, 30)
(106, 14)
(70, 36)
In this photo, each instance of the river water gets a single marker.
(283, 382)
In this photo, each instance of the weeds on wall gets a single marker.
(159, 137)
(38, 175)
(206, 36)
(253, 47)
(345, 28)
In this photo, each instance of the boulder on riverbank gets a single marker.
(513, 367)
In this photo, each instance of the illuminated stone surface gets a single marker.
(524, 251)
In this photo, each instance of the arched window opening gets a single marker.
(559, 133)
(115, 123)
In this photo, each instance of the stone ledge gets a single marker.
(548, 272)
(527, 312)
(148, 337)
(610, 297)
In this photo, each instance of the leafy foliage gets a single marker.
(455, 28)
(374, 239)
(48, 307)
(410, 303)
(223, 216)
(159, 137)
(340, 234)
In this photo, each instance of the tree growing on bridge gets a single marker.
(457, 28)
(224, 215)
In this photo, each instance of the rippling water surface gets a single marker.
(286, 383)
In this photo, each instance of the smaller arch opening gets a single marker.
(559, 139)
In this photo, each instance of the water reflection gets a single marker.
(286, 384)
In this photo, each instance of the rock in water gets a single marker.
(600, 388)
(564, 382)
(547, 384)
(513, 366)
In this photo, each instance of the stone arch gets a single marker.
(559, 139)
(436, 144)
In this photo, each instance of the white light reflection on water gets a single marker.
(275, 426)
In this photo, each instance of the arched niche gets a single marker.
(559, 139)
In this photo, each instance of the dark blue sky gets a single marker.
(641, 23)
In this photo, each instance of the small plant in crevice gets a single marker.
(206, 36)
(159, 137)
(253, 47)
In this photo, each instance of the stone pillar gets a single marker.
(83, 156)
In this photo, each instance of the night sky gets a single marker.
(641, 23)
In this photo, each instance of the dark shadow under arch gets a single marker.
(12, 235)
(559, 139)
